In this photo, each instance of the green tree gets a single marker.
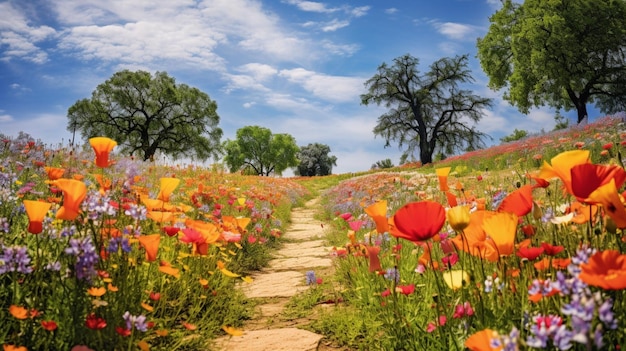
(516, 135)
(146, 114)
(560, 121)
(315, 161)
(563, 54)
(382, 164)
(258, 149)
(429, 111)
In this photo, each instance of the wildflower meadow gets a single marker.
(108, 253)
(516, 247)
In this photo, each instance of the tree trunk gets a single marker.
(581, 108)
(426, 154)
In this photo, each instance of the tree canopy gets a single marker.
(258, 149)
(427, 111)
(146, 114)
(315, 161)
(564, 54)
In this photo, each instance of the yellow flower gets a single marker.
(458, 217)
(232, 331)
(167, 188)
(455, 279)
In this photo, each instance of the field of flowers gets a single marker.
(513, 248)
(102, 252)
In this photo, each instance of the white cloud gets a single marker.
(19, 36)
(4, 118)
(311, 6)
(359, 11)
(334, 25)
(182, 32)
(391, 10)
(338, 49)
(50, 128)
(331, 88)
(456, 31)
(259, 71)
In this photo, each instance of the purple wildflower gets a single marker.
(15, 259)
(86, 257)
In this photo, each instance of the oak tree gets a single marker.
(146, 114)
(430, 111)
(564, 54)
(315, 160)
(257, 150)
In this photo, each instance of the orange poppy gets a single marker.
(102, 146)
(74, 192)
(168, 185)
(54, 173)
(442, 176)
(378, 212)
(166, 268)
(105, 184)
(372, 253)
(419, 221)
(452, 202)
(472, 234)
(18, 312)
(151, 244)
(561, 166)
(519, 202)
(482, 341)
(611, 201)
(582, 213)
(586, 178)
(501, 228)
(605, 269)
(36, 211)
(160, 216)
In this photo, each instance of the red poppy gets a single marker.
(528, 230)
(406, 289)
(529, 253)
(419, 221)
(171, 230)
(551, 250)
(586, 178)
(562, 165)
(94, 322)
(49, 325)
(122, 331)
(519, 202)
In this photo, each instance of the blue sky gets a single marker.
(292, 66)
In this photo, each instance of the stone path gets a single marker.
(284, 278)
